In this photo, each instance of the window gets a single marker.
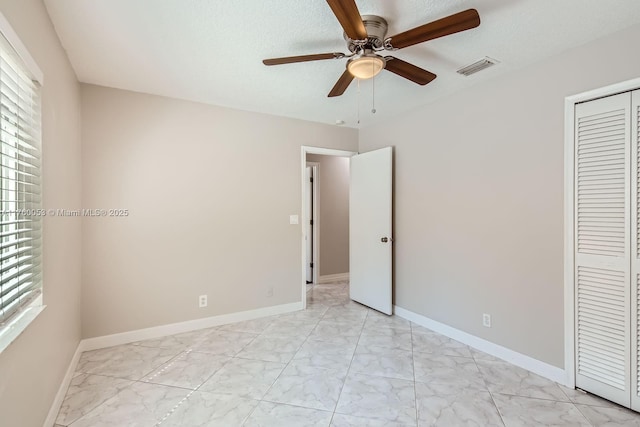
(20, 190)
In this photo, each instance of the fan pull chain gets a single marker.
(373, 98)
(358, 100)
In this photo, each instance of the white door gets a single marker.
(370, 210)
(602, 243)
(635, 250)
(308, 226)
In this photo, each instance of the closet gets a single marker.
(606, 247)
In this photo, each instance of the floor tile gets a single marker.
(502, 377)
(379, 320)
(224, 343)
(481, 355)
(519, 411)
(383, 362)
(445, 405)
(323, 354)
(431, 342)
(283, 327)
(354, 304)
(380, 398)
(340, 420)
(327, 329)
(85, 393)
(255, 326)
(337, 363)
(418, 329)
(189, 369)
(126, 361)
(307, 386)
(339, 313)
(610, 416)
(331, 298)
(579, 396)
(269, 414)
(244, 378)
(386, 337)
(140, 405)
(317, 308)
(458, 371)
(302, 316)
(203, 409)
(272, 348)
(319, 298)
(184, 341)
(336, 340)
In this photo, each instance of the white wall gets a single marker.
(33, 366)
(479, 198)
(209, 191)
(334, 213)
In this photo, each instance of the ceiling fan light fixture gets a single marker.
(365, 66)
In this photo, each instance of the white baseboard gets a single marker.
(330, 278)
(62, 390)
(526, 362)
(156, 332)
(188, 326)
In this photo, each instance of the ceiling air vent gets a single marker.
(480, 65)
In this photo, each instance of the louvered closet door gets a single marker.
(602, 261)
(635, 250)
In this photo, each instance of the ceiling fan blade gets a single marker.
(442, 27)
(408, 71)
(302, 58)
(342, 84)
(349, 17)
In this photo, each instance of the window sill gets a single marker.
(10, 332)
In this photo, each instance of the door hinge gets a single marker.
(311, 222)
(311, 264)
(311, 179)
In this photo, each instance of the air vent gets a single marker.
(480, 65)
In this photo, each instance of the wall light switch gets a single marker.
(293, 219)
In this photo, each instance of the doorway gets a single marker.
(310, 232)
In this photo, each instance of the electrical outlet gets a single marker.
(270, 291)
(202, 301)
(486, 320)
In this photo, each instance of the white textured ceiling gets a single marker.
(211, 50)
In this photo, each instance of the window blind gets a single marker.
(20, 196)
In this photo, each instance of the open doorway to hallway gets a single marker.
(327, 219)
(325, 205)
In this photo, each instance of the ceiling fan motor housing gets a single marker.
(376, 27)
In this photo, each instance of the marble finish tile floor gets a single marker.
(335, 364)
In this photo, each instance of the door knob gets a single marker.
(384, 239)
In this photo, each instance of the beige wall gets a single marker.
(209, 191)
(334, 213)
(32, 368)
(479, 198)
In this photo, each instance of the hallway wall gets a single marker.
(334, 213)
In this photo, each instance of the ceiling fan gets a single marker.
(366, 35)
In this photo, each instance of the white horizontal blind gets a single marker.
(20, 195)
(602, 275)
